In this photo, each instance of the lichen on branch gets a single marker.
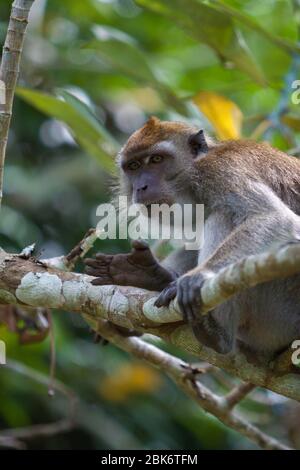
(32, 283)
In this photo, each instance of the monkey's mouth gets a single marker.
(148, 205)
(159, 202)
(151, 207)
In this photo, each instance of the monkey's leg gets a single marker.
(138, 268)
(217, 329)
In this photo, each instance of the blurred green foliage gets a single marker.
(92, 72)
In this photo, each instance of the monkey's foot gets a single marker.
(138, 269)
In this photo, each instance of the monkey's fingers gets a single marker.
(96, 267)
(104, 258)
(189, 297)
(98, 271)
(196, 307)
(94, 263)
(168, 294)
(183, 298)
(102, 281)
(140, 245)
(142, 255)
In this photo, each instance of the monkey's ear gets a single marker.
(198, 143)
(152, 121)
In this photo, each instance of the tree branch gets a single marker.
(31, 283)
(231, 280)
(68, 262)
(9, 72)
(237, 394)
(184, 377)
(12, 437)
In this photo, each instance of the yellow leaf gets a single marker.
(127, 380)
(224, 115)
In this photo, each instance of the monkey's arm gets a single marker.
(181, 260)
(264, 221)
(256, 234)
(139, 268)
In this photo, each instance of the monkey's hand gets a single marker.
(207, 329)
(187, 289)
(138, 269)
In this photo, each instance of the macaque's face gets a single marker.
(157, 163)
(151, 174)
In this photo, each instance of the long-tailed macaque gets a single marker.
(251, 194)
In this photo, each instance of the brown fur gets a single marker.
(233, 163)
(251, 194)
(152, 132)
(228, 165)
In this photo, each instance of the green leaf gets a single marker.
(279, 16)
(270, 30)
(86, 129)
(211, 27)
(123, 53)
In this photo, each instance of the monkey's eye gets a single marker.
(156, 159)
(133, 165)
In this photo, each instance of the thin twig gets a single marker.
(67, 262)
(11, 443)
(237, 394)
(82, 248)
(9, 437)
(180, 373)
(51, 388)
(9, 72)
(29, 283)
(260, 129)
